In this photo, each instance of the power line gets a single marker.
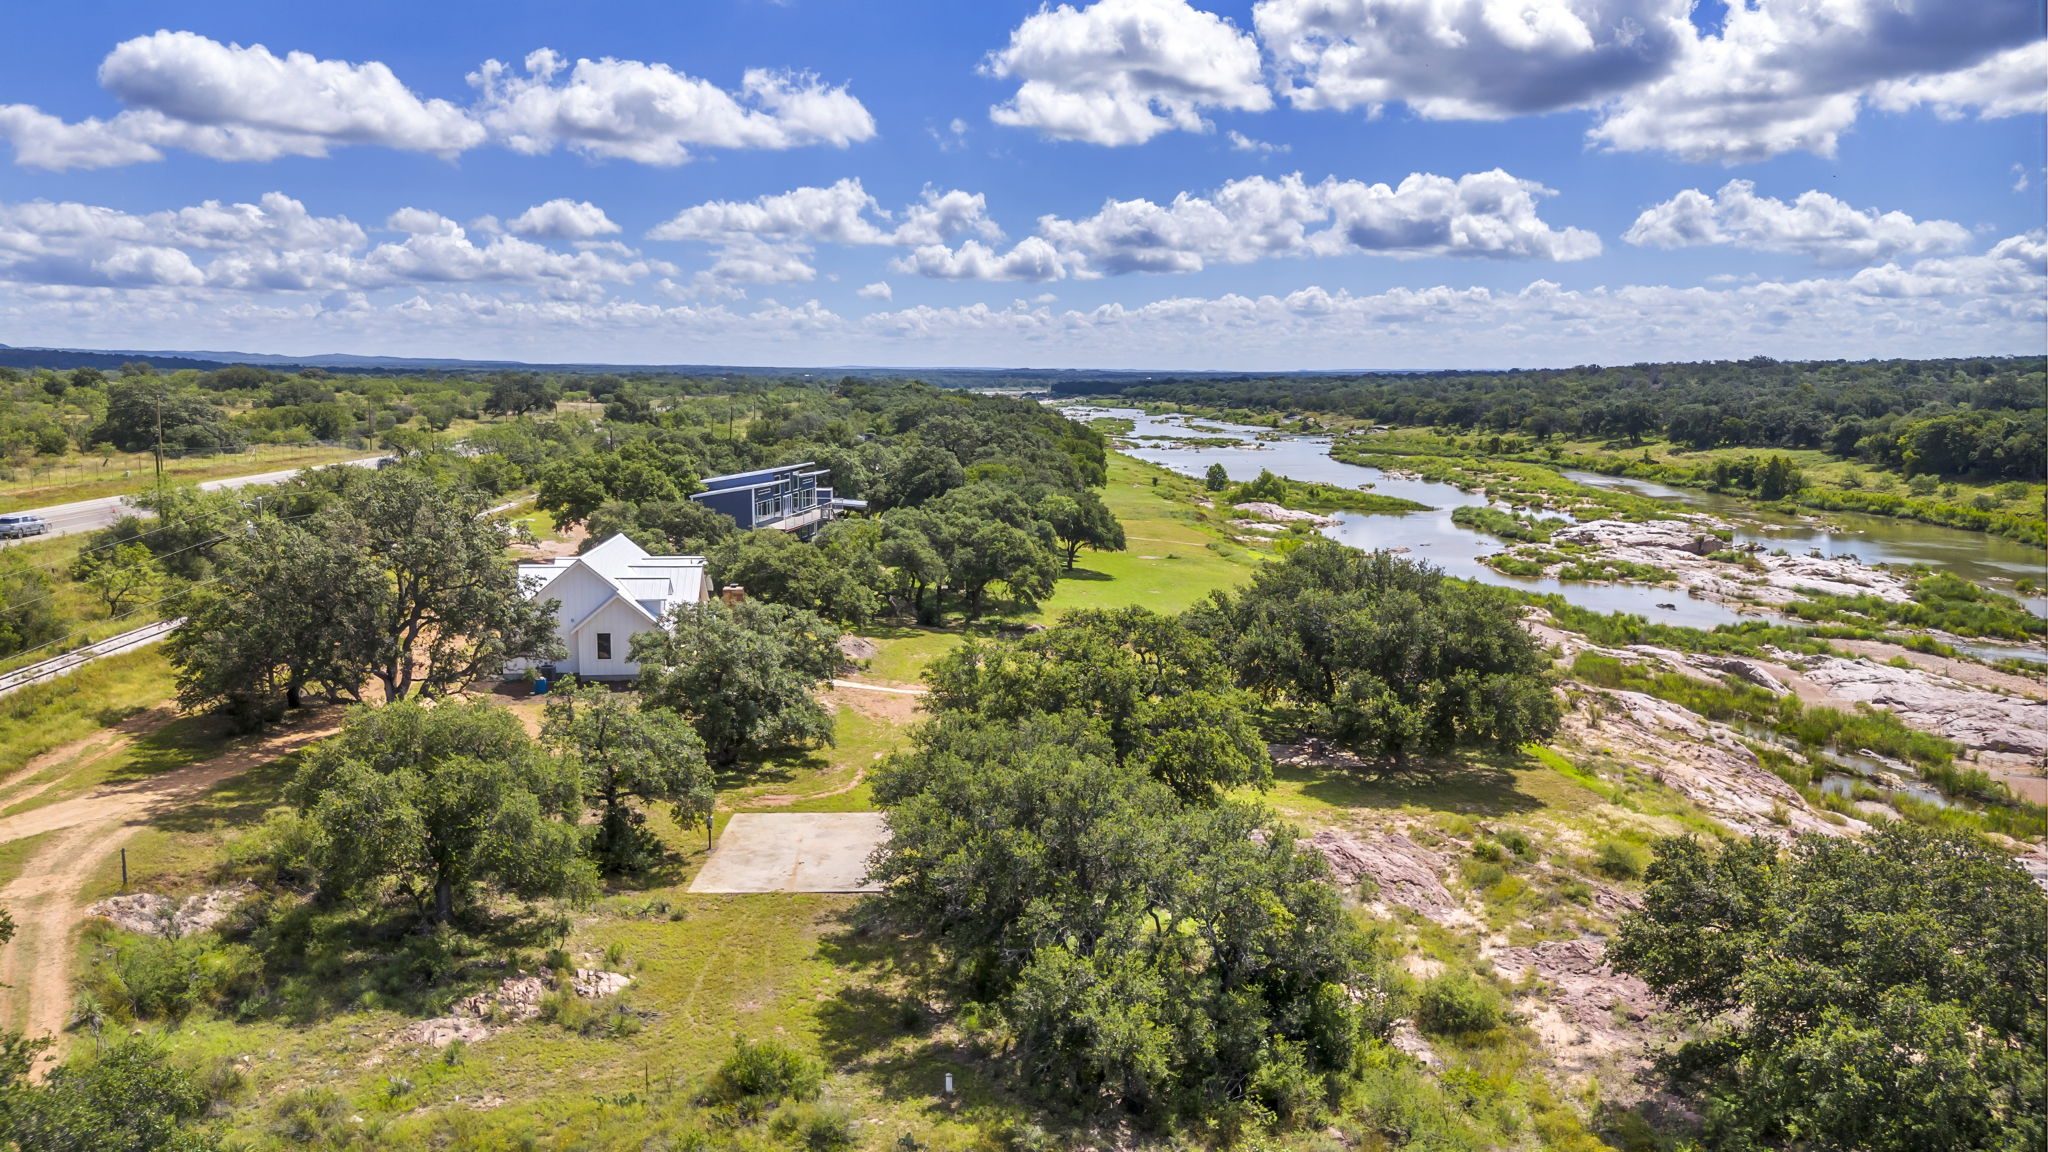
(164, 526)
(122, 616)
(174, 552)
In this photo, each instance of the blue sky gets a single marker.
(1130, 183)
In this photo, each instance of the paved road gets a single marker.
(89, 515)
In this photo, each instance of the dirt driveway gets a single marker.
(44, 898)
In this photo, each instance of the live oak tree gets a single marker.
(1160, 692)
(1882, 993)
(1190, 963)
(986, 538)
(834, 575)
(1080, 519)
(1384, 655)
(623, 753)
(437, 800)
(404, 585)
(744, 675)
(268, 629)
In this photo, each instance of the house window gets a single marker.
(604, 645)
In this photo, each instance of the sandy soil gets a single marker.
(45, 898)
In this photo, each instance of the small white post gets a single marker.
(949, 1083)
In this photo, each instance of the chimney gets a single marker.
(732, 594)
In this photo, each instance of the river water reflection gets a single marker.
(1431, 536)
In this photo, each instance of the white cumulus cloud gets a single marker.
(1793, 75)
(1488, 214)
(650, 113)
(1814, 224)
(563, 219)
(879, 290)
(2012, 83)
(276, 245)
(198, 81)
(767, 240)
(1124, 71)
(181, 90)
(1468, 59)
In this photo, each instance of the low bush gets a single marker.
(1455, 1004)
(766, 1072)
(1621, 859)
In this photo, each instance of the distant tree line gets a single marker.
(1984, 417)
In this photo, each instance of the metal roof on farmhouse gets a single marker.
(637, 575)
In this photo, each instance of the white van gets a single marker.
(16, 524)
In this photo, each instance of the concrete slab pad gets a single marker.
(793, 852)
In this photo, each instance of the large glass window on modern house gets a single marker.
(790, 498)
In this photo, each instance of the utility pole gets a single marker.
(159, 448)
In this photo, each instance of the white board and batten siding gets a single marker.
(616, 589)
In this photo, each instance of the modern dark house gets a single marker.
(789, 498)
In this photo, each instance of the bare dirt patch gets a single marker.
(895, 706)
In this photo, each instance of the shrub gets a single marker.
(766, 1071)
(137, 977)
(1455, 1004)
(819, 1127)
(1621, 859)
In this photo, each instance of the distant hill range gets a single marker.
(207, 361)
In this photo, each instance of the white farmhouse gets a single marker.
(609, 595)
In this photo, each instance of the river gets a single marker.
(1431, 536)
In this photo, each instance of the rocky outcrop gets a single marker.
(1970, 716)
(1747, 670)
(1265, 510)
(1404, 872)
(1589, 1015)
(515, 999)
(1682, 546)
(1706, 762)
(155, 915)
(1648, 535)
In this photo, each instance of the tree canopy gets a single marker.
(1383, 655)
(1171, 958)
(1158, 690)
(744, 675)
(404, 584)
(1882, 993)
(621, 752)
(434, 801)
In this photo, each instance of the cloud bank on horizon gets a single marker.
(1131, 183)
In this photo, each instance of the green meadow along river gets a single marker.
(1992, 561)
